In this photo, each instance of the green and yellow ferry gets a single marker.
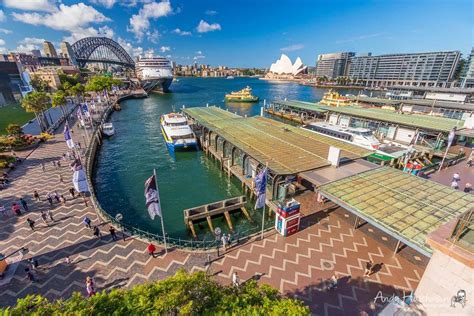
(244, 95)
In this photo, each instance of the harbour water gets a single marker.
(189, 179)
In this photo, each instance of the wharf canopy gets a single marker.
(425, 122)
(288, 150)
(402, 205)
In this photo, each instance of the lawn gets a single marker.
(13, 114)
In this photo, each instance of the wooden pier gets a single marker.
(220, 208)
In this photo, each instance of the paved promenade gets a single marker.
(298, 265)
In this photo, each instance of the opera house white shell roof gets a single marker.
(285, 66)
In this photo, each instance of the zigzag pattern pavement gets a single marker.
(296, 265)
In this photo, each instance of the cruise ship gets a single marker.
(155, 73)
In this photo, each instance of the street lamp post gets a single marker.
(119, 218)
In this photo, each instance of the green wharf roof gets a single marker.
(402, 205)
(427, 122)
(287, 149)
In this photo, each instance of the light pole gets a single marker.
(119, 218)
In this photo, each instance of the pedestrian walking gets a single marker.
(67, 260)
(455, 185)
(456, 177)
(24, 204)
(50, 199)
(87, 222)
(97, 232)
(56, 196)
(31, 223)
(235, 279)
(224, 242)
(29, 275)
(50, 214)
(43, 167)
(112, 233)
(63, 199)
(332, 282)
(151, 249)
(36, 195)
(90, 287)
(58, 163)
(53, 163)
(468, 187)
(368, 268)
(72, 192)
(60, 177)
(44, 217)
(3, 210)
(16, 209)
(33, 263)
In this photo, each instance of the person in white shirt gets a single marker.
(235, 279)
(454, 185)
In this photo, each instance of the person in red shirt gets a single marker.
(16, 209)
(151, 249)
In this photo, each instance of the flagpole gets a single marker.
(263, 209)
(161, 217)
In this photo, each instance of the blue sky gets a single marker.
(243, 33)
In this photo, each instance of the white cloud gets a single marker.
(140, 23)
(29, 43)
(80, 33)
(181, 32)
(292, 48)
(204, 27)
(165, 49)
(66, 18)
(2, 42)
(153, 36)
(3, 17)
(31, 5)
(168, 56)
(131, 50)
(199, 52)
(5, 31)
(199, 57)
(106, 3)
(211, 12)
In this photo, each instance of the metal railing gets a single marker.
(238, 236)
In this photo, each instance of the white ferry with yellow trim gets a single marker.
(177, 133)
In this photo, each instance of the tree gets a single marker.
(59, 99)
(181, 294)
(37, 102)
(77, 91)
(39, 84)
(14, 129)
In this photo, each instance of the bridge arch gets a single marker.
(85, 48)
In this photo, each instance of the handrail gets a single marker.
(189, 244)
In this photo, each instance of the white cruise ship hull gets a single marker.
(158, 85)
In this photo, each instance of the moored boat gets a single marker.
(333, 98)
(108, 129)
(177, 133)
(244, 95)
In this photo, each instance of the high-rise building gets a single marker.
(49, 50)
(11, 82)
(433, 69)
(333, 65)
(467, 75)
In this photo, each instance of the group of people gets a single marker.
(226, 240)
(15, 207)
(96, 230)
(456, 181)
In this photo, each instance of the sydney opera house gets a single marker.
(283, 68)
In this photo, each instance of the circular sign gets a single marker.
(217, 231)
(119, 217)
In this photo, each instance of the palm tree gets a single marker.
(37, 102)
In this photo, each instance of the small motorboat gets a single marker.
(108, 129)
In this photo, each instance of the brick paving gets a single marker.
(298, 265)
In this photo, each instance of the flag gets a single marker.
(152, 197)
(451, 135)
(260, 188)
(85, 109)
(67, 137)
(79, 180)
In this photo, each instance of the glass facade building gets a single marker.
(333, 65)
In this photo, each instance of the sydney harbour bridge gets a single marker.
(100, 50)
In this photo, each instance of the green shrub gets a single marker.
(181, 294)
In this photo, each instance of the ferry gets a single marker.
(108, 129)
(177, 133)
(362, 137)
(244, 95)
(333, 98)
